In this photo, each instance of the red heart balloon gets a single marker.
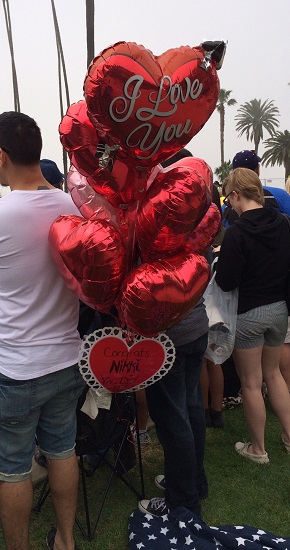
(91, 258)
(156, 296)
(174, 204)
(120, 181)
(150, 106)
(204, 234)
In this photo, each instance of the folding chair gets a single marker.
(109, 439)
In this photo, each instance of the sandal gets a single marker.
(243, 450)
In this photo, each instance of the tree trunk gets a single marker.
(256, 143)
(287, 168)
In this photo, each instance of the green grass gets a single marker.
(240, 491)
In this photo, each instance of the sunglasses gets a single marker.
(226, 200)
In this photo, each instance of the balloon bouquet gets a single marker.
(137, 244)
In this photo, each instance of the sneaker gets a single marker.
(50, 538)
(144, 437)
(155, 507)
(243, 449)
(160, 482)
(232, 402)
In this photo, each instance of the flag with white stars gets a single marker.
(183, 530)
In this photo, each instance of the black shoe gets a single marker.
(216, 417)
(207, 418)
(155, 507)
(50, 538)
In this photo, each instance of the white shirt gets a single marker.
(38, 313)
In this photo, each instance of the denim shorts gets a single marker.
(44, 408)
(262, 325)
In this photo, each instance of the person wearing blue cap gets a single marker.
(51, 173)
(247, 159)
(274, 196)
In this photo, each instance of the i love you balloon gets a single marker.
(144, 228)
(150, 105)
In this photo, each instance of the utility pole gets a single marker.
(10, 40)
(90, 18)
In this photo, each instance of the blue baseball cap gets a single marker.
(246, 159)
(51, 172)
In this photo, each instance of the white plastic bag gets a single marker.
(221, 308)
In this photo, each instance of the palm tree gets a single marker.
(223, 100)
(254, 117)
(278, 151)
(223, 170)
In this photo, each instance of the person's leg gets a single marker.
(285, 363)
(18, 421)
(195, 355)
(167, 407)
(15, 510)
(56, 434)
(216, 385)
(142, 410)
(277, 388)
(249, 368)
(141, 418)
(204, 382)
(63, 482)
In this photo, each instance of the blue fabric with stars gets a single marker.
(183, 530)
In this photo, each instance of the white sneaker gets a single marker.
(144, 438)
(243, 449)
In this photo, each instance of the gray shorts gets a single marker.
(287, 337)
(262, 325)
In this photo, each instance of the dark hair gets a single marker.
(181, 154)
(20, 138)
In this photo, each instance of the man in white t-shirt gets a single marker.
(39, 379)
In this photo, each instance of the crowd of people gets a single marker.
(40, 383)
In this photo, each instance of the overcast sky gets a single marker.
(256, 64)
